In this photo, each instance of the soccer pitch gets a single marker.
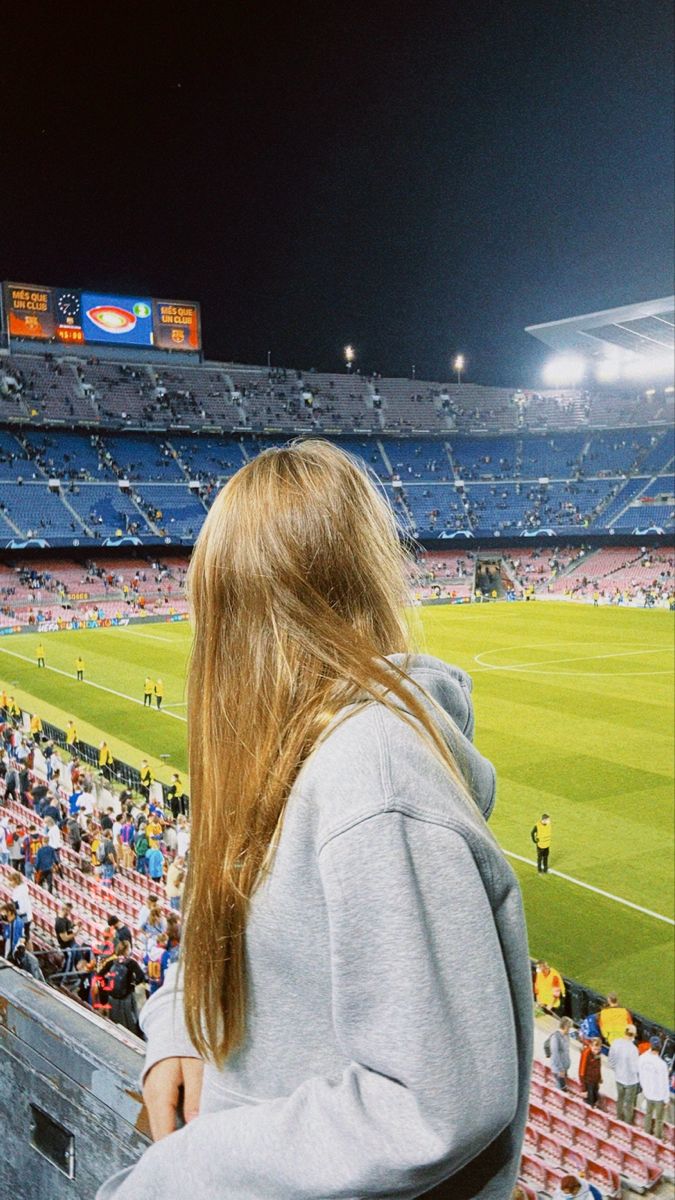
(575, 707)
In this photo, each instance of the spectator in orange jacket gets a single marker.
(590, 1069)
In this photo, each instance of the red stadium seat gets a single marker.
(539, 1117)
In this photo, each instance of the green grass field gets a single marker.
(574, 705)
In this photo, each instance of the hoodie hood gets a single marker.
(450, 688)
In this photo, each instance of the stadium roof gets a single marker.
(644, 329)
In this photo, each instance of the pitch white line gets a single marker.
(599, 891)
(558, 662)
(90, 683)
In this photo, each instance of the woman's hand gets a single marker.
(161, 1093)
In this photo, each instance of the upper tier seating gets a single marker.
(38, 389)
(513, 483)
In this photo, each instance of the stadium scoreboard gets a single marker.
(70, 316)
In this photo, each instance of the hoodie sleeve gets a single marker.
(163, 1024)
(423, 1016)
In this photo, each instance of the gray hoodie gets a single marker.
(559, 1044)
(389, 1035)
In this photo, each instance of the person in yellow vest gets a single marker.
(613, 1019)
(105, 760)
(79, 668)
(40, 653)
(14, 709)
(147, 779)
(4, 702)
(148, 689)
(154, 830)
(35, 728)
(549, 987)
(93, 852)
(541, 836)
(159, 693)
(71, 735)
(596, 598)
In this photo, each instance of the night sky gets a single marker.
(415, 178)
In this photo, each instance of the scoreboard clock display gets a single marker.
(71, 316)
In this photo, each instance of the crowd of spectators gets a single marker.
(63, 594)
(112, 835)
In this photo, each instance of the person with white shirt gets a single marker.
(182, 837)
(169, 837)
(21, 897)
(623, 1060)
(53, 834)
(85, 808)
(653, 1076)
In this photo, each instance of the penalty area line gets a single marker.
(90, 683)
(590, 888)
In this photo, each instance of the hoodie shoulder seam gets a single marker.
(425, 816)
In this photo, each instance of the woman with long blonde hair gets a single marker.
(351, 1015)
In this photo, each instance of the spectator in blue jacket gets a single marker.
(45, 861)
(11, 928)
(155, 864)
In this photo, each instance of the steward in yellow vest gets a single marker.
(541, 836)
(613, 1020)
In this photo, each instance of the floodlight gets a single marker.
(565, 370)
(458, 365)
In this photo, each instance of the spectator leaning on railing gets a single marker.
(549, 987)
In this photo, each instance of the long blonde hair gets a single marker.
(297, 586)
